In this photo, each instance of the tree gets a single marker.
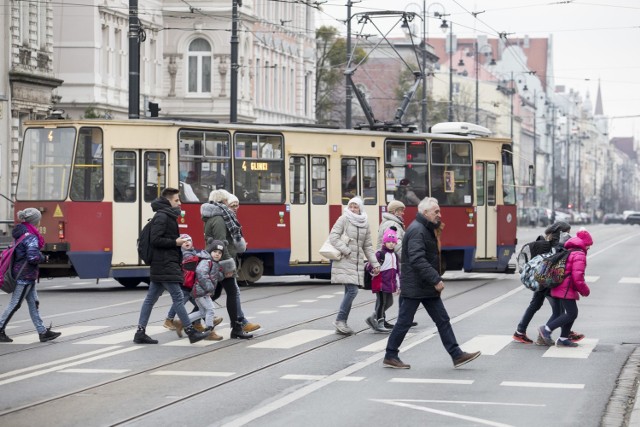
(330, 67)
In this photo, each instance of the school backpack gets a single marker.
(7, 281)
(524, 256)
(552, 270)
(145, 251)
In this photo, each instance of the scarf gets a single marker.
(230, 221)
(33, 230)
(359, 220)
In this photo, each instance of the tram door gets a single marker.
(309, 206)
(138, 178)
(487, 210)
(359, 176)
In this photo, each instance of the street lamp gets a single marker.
(492, 63)
(444, 27)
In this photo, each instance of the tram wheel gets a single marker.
(129, 282)
(251, 270)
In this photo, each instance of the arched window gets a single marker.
(199, 66)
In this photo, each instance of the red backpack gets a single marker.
(189, 264)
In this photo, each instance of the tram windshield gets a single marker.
(45, 166)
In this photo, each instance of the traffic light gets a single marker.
(154, 108)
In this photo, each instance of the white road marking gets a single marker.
(57, 286)
(429, 381)
(490, 345)
(318, 378)
(541, 385)
(325, 296)
(94, 371)
(584, 349)
(193, 373)
(267, 312)
(288, 306)
(126, 336)
(71, 330)
(293, 339)
(629, 280)
(184, 341)
(308, 300)
(466, 402)
(380, 345)
(591, 279)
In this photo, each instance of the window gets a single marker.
(349, 179)
(508, 177)
(124, 176)
(259, 168)
(405, 171)
(298, 180)
(451, 173)
(204, 161)
(480, 184)
(45, 164)
(88, 180)
(155, 174)
(369, 182)
(319, 180)
(199, 67)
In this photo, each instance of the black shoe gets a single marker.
(142, 338)
(239, 333)
(195, 336)
(4, 337)
(414, 324)
(388, 325)
(49, 335)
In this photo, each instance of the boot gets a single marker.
(382, 327)
(169, 324)
(195, 336)
(142, 338)
(238, 332)
(199, 327)
(217, 320)
(178, 325)
(212, 336)
(4, 337)
(372, 322)
(49, 335)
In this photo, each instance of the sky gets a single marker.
(593, 41)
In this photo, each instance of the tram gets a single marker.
(93, 181)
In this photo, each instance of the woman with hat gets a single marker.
(25, 270)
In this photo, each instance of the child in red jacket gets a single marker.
(569, 291)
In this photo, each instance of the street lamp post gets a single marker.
(450, 117)
(493, 62)
(425, 39)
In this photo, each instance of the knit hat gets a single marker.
(394, 205)
(557, 228)
(30, 215)
(215, 245)
(584, 235)
(358, 201)
(389, 236)
(186, 237)
(232, 199)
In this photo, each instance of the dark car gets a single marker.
(633, 218)
(612, 218)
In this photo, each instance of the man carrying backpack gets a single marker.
(166, 271)
(24, 269)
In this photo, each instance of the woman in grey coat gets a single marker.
(349, 270)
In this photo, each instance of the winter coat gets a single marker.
(26, 253)
(215, 227)
(350, 268)
(166, 259)
(389, 219)
(574, 285)
(420, 264)
(387, 280)
(208, 275)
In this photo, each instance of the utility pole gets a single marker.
(553, 163)
(535, 148)
(568, 159)
(348, 86)
(451, 72)
(423, 110)
(134, 60)
(233, 102)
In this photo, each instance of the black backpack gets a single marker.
(145, 251)
(524, 256)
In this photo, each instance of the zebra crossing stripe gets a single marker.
(629, 280)
(33, 338)
(124, 337)
(489, 345)
(584, 349)
(293, 339)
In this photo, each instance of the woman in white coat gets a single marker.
(349, 270)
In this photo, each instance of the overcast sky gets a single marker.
(593, 41)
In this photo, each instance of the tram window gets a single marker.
(297, 180)
(349, 179)
(451, 173)
(319, 180)
(155, 175)
(480, 184)
(259, 168)
(406, 177)
(369, 181)
(508, 177)
(204, 164)
(124, 176)
(87, 183)
(45, 164)
(491, 184)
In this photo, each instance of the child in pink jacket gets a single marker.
(569, 291)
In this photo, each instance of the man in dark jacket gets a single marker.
(420, 283)
(166, 270)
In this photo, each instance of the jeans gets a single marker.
(205, 305)
(438, 313)
(24, 289)
(566, 318)
(187, 296)
(350, 292)
(155, 290)
(536, 302)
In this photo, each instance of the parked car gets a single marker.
(612, 218)
(633, 218)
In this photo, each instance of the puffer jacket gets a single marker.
(574, 285)
(388, 220)
(166, 260)
(419, 267)
(215, 227)
(350, 268)
(26, 254)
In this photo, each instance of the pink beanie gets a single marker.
(584, 235)
(389, 236)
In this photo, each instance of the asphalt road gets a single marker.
(297, 371)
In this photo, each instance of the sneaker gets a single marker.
(49, 335)
(217, 320)
(545, 335)
(342, 328)
(523, 338)
(465, 358)
(395, 364)
(142, 338)
(541, 342)
(250, 327)
(565, 343)
(168, 323)
(575, 337)
(4, 337)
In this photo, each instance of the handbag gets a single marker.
(328, 251)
